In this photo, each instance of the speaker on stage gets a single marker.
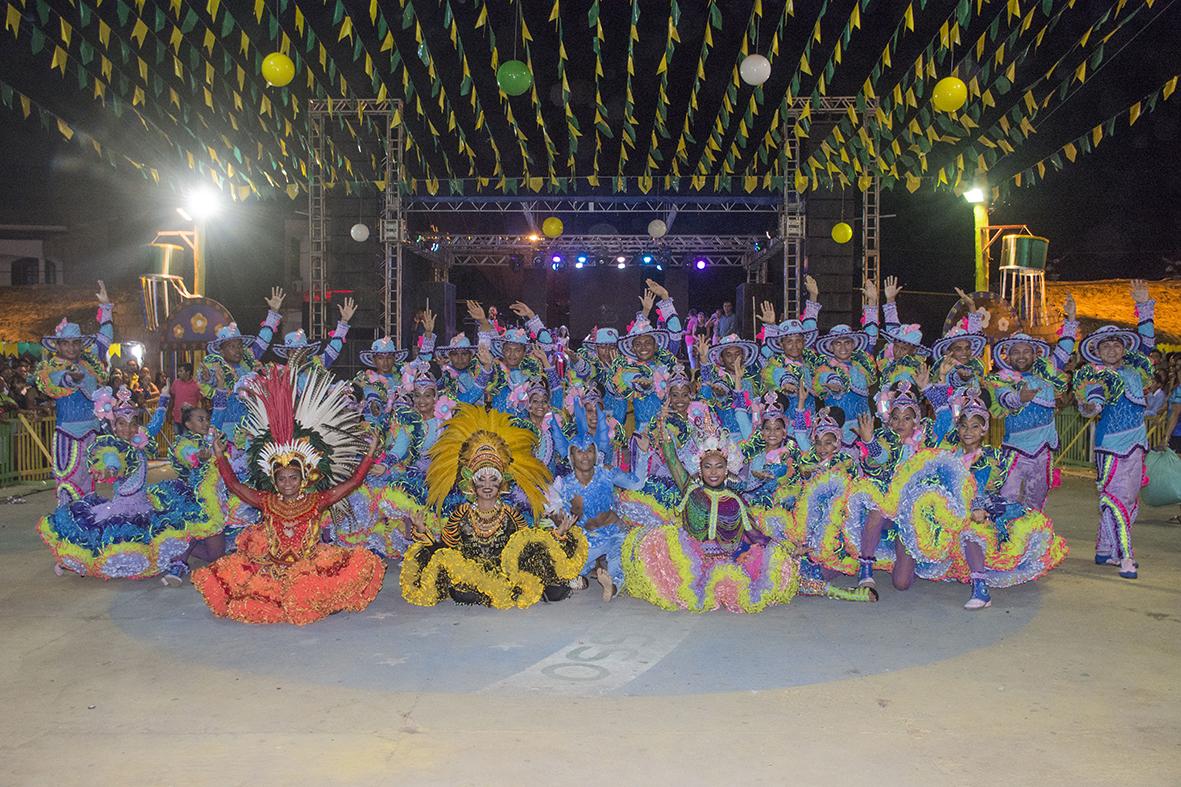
(441, 297)
(749, 298)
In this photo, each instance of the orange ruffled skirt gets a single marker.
(243, 587)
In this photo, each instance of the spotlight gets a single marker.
(646, 259)
(621, 259)
(203, 203)
(581, 259)
(659, 267)
(701, 263)
(556, 259)
(580, 263)
(621, 265)
(975, 195)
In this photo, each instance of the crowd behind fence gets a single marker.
(23, 457)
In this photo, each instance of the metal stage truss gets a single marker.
(595, 204)
(447, 251)
(391, 210)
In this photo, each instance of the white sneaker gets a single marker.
(171, 581)
(579, 583)
(977, 603)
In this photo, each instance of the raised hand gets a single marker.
(658, 289)
(275, 302)
(647, 301)
(1070, 308)
(219, 445)
(522, 310)
(922, 376)
(476, 312)
(164, 391)
(101, 295)
(484, 355)
(428, 320)
(812, 288)
(892, 288)
(767, 312)
(347, 309)
(870, 290)
(1139, 290)
(374, 442)
(538, 352)
(418, 523)
(801, 396)
(864, 428)
(966, 299)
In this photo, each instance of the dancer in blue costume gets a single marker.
(191, 458)
(1001, 542)
(462, 380)
(141, 529)
(964, 346)
(592, 365)
(611, 439)
(377, 386)
(730, 382)
(69, 377)
(1110, 388)
(770, 477)
(1026, 386)
(847, 371)
(904, 352)
(532, 407)
(788, 358)
(232, 356)
(297, 350)
(516, 366)
(587, 492)
(647, 355)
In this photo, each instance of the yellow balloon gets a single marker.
(277, 69)
(552, 227)
(842, 232)
(950, 94)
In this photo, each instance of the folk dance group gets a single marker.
(512, 470)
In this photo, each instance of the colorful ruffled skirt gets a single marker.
(666, 566)
(532, 560)
(247, 588)
(133, 537)
(1019, 545)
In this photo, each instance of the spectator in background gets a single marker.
(727, 322)
(493, 315)
(147, 386)
(185, 393)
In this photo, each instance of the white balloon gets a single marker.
(359, 232)
(755, 69)
(657, 228)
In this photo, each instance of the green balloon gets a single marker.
(513, 77)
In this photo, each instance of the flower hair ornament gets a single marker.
(710, 437)
(518, 396)
(899, 396)
(825, 422)
(966, 402)
(416, 375)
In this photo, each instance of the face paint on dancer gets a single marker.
(460, 360)
(486, 485)
(714, 470)
(644, 347)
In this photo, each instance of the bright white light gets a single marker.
(621, 265)
(974, 195)
(203, 203)
(621, 259)
(184, 214)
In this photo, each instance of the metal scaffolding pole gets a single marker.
(317, 229)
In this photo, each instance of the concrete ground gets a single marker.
(1072, 681)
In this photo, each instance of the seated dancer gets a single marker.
(142, 529)
(772, 455)
(532, 409)
(487, 552)
(304, 448)
(610, 439)
(231, 356)
(846, 370)
(377, 386)
(1001, 542)
(1026, 387)
(1110, 388)
(788, 358)
(591, 365)
(730, 381)
(904, 352)
(645, 360)
(715, 553)
(191, 458)
(593, 484)
(964, 345)
(516, 366)
(69, 377)
(297, 351)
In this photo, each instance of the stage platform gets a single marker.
(1075, 680)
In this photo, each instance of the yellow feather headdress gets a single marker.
(476, 438)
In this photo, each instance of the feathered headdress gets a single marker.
(475, 439)
(315, 430)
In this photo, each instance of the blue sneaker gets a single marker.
(980, 598)
(1103, 560)
(865, 575)
(1127, 568)
(174, 577)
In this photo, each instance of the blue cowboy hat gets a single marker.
(749, 349)
(790, 328)
(824, 343)
(976, 341)
(511, 336)
(66, 331)
(640, 328)
(295, 342)
(458, 343)
(1089, 347)
(1000, 349)
(382, 346)
(603, 337)
(228, 333)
